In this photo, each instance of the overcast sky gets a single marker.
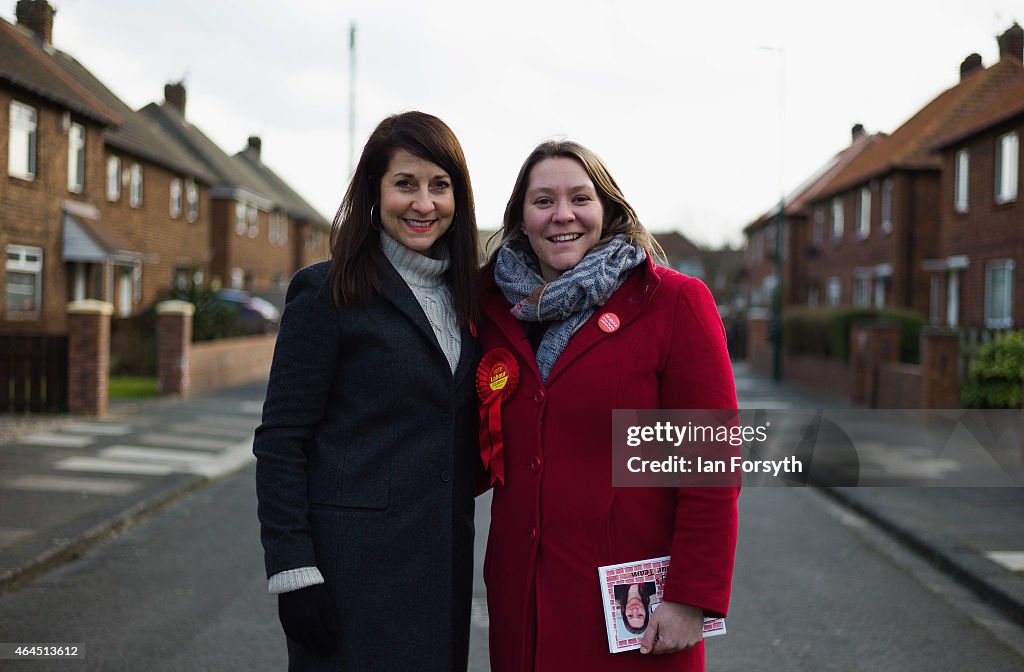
(680, 99)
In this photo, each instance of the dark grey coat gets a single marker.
(365, 468)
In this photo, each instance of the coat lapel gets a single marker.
(398, 294)
(627, 304)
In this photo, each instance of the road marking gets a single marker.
(254, 407)
(58, 440)
(12, 535)
(100, 428)
(101, 465)
(179, 441)
(185, 459)
(227, 421)
(92, 486)
(210, 430)
(1012, 560)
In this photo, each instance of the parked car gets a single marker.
(254, 315)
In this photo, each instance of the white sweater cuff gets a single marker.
(294, 579)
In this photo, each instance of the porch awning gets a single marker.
(89, 240)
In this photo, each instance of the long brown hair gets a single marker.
(619, 216)
(356, 257)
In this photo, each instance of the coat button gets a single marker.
(446, 418)
(535, 464)
(538, 396)
(446, 476)
(533, 534)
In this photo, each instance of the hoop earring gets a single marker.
(373, 219)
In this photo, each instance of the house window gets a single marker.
(864, 213)
(961, 175)
(862, 291)
(240, 218)
(999, 293)
(833, 291)
(113, 178)
(252, 217)
(812, 296)
(880, 289)
(76, 158)
(176, 198)
(237, 278)
(135, 185)
(818, 232)
(278, 230)
(934, 302)
(24, 281)
(1007, 159)
(887, 205)
(953, 299)
(837, 218)
(21, 149)
(192, 200)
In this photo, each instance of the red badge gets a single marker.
(497, 377)
(609, 323)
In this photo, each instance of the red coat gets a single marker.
(557, 517)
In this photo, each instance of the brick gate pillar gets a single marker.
(940, 368)
(173, 346)
(88, 356)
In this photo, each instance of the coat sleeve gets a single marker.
(698, 375)
(301, 376)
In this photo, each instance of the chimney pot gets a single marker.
(37, 16)
(255, 145)
(1011, 43)
(857, 131)
(174, 95)
(971, 64)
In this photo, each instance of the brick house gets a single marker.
(261, 230)
(881, 212)
(101, 201)
(802, 235)
(97, 201)
(981, 241)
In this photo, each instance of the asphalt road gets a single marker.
(816, 588)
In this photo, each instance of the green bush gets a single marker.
(995, 375)
(212, 320)
(825, 332)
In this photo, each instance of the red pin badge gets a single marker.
(609, 323)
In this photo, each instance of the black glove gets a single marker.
(307, 616)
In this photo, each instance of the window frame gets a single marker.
(24, 266)
(76, 158)
(1007, 169)
(176, 199)
(136, 178)
(23, 122)
(113, 178)
(1006, 318)
(837, 219)
(863, 212)
(886, 215)
(961, 181)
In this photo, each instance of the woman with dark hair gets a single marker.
(366, 453)
(635, 604)
(577, 320)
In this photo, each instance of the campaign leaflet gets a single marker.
(630, 593)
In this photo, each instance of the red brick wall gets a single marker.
(987, 231)
(826, 375)
(899, 386)
(233, 361)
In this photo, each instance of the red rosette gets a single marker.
(497, 378)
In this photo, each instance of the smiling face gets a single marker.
(417, 203)
(562, 215)
(635, 613)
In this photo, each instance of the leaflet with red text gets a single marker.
(630, 593)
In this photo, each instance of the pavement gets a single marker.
(67, 483)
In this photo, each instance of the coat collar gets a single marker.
(399, 295)
(627, 303)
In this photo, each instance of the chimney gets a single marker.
(856, 132)
(36, 16)
(174, 95)
(1011, 43)
(970, 65)
(254, 146)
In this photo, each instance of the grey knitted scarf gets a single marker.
(570, 300)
